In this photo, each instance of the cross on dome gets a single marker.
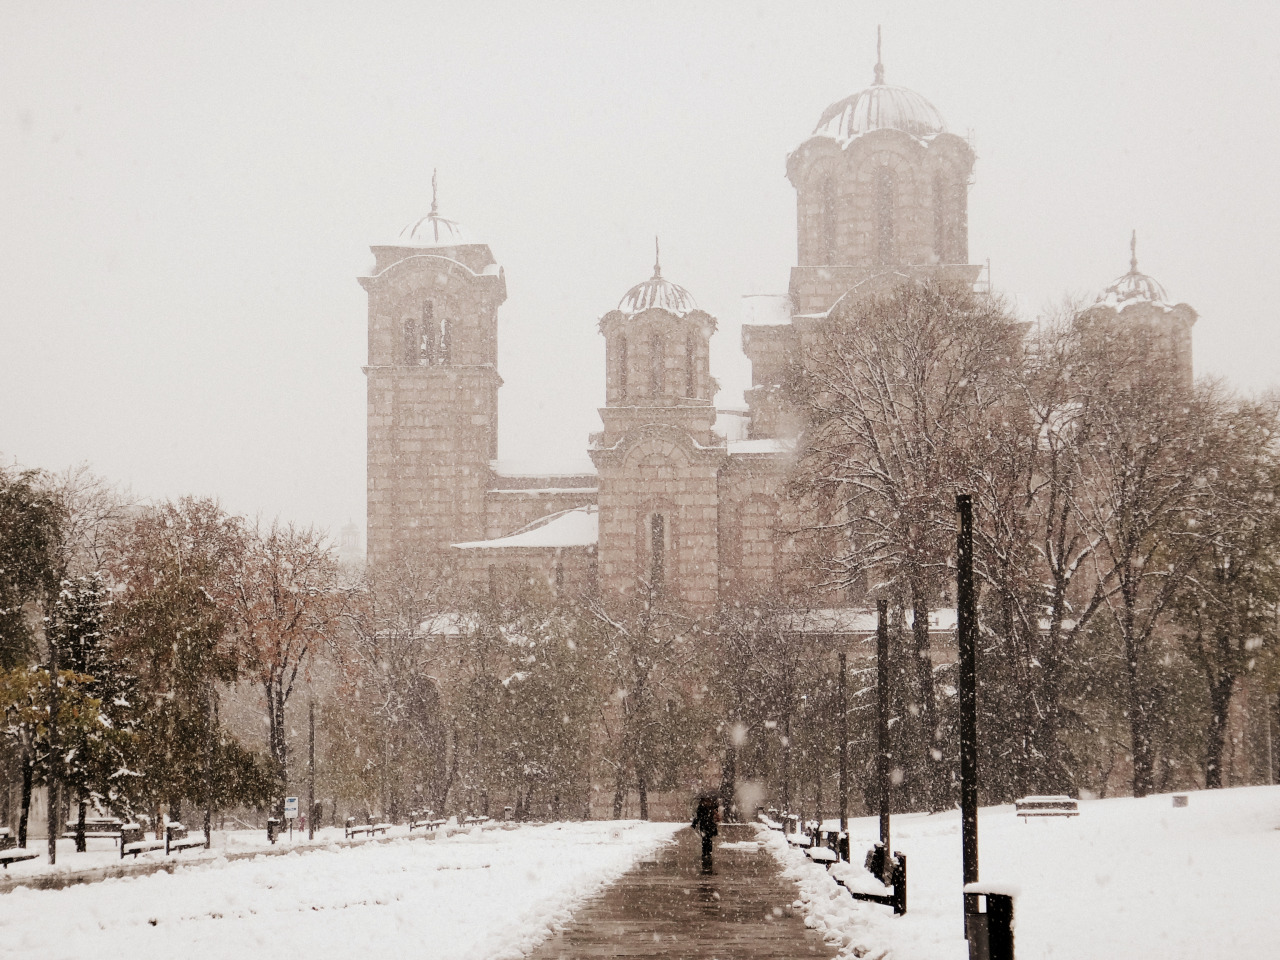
(879, 80)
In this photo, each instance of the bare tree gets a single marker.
(647, 649)
(767, 658)
(892, 390)
(390, 729)
(1144, 479)
(1227, 609)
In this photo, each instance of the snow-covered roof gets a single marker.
(657, 292)
(769, 445)
(766, 309)
(732, 424)
(863, 620)
(880, 107)
(660, 293)
(577, 467)
(579, 527)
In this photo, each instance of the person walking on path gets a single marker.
(705, 820)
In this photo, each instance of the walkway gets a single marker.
(667, 907)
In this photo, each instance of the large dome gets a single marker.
(657, 292)
(880, 107)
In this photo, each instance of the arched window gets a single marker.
(446, 340)
(657, 366)
(657, 551)
(622, 367)
(949, 219)
(430, 333)
(828, 220)
(691, 366)
(409, 347)
(941, 216)
(886, 189)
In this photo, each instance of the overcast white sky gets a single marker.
(187, 193)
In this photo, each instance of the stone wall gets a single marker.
(432, 395)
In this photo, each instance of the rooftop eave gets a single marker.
(694, 317)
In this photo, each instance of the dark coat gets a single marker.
(707, 816)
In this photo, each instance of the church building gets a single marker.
(684, 498)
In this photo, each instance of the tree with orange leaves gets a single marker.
(286, 603)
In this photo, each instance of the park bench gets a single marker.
(95, 828)
(476, 821)
(353, 830)
(426, 824)
(822, 855)
(134, 840)
(1061, 806)
(176, 838)
(10, 852)
(827, 844)
(869, 887)
(768, 821)
(15, 855)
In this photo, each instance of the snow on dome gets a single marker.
(657, 292)
(880, 107)
(1133, 287)
(432, 230)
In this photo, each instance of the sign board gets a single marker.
(291, 808)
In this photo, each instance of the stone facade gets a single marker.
(683, 499)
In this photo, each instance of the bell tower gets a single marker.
(432, 386)
(657, 457)
(1137, 306)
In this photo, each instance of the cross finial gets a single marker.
(1133, 252)
(433, 191)
(657, 260)
(879, 62)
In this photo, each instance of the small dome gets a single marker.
(1133, 286)
(657, 292)
(432, 230)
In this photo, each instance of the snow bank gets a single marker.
(1127, 878)
(482, 894)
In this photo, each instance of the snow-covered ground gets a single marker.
(1132, 879)
(477, 894)
(104, 854)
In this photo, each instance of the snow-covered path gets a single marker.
(490, 894)
(1137, 879)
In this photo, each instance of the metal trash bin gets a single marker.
(273, 828)
(988, 924)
